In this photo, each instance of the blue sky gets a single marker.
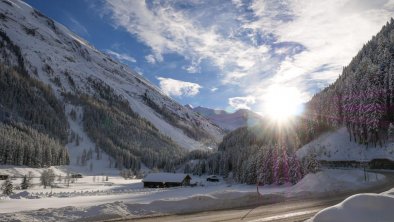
(228, 54)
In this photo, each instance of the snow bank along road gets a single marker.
(287, 210)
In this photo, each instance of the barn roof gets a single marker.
(165, 177)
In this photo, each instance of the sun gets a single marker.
(282, 103)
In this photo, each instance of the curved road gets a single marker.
(288, 210)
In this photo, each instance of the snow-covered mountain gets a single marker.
(76, 71)
(230, 121)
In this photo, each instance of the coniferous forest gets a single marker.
(362, 98)
(33, 126)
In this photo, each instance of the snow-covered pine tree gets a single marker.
(266, 174)
(278, 165)
(310, 162)
(295, 169)
(25, 183)
(47, 178)
(7, 187)
(285, 167)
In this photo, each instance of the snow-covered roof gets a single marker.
(165, 177)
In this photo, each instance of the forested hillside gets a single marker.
(33, 126)
(362, 98)
(265, 155)
(123, 134)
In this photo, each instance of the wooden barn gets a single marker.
(156, 180)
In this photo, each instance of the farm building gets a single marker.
(4, 176)
(213, 178)
(166, 180)
(381, 164)
(77, 175)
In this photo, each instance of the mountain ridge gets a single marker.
(230, 121)
(77, 73)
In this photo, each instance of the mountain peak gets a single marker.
(189, 106)
(230, 121)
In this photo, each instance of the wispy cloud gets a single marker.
(241, 102)
(258, 43)
(77, 27)
(150, 59)
(121, 56)
(173, 87)
(331, 32)
(166, 27)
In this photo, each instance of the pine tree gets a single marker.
(7, 187)
(266, 175)
(47, 178)
(25, 183)
(295, 170)
(310, 163)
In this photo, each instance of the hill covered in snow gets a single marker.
(336, 146)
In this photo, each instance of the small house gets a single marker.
(381, 164)
(166, 180)
(77, 175)
(213, 178)
(4, 176)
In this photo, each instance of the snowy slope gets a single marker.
(230, 121)
(53, 54)
(337, 146)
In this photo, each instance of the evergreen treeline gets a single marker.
(23, 145)
(362, 98)
(252, 155)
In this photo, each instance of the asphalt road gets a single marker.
(286, 211)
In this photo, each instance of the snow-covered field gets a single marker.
(337, 146)
(360, 208)
(118, 197)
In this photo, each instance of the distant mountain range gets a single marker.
(229, 121)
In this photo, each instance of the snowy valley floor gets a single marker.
(120, 198)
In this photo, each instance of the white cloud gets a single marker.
(214, 89)
(121, 56)
(150, 59)
(173, 87)
(326, 35)
(331, 31)
(166, 28)
(241, 102)
(194, 67)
